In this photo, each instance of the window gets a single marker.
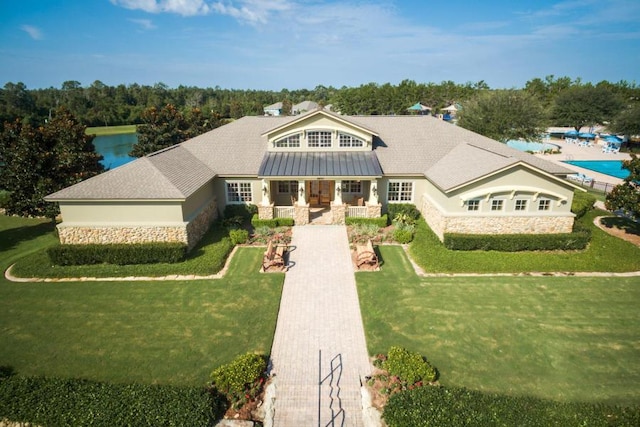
(287, 187)
(319, 139)
(347, 140)
(521, 205)
(351, 187)
(400, 191)
(497, 204)
(239, 192)
(473, 205)
(291, 141)
(544, 205)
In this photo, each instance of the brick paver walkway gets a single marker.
(319, 322)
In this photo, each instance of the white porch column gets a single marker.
(302, 194)
(373, 192)
(337, 199)
(265, 188)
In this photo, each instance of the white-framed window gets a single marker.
(239, 192)
(287, 187)
(497, 204)
(291, 141)
(473, 205)
(319, 138)
(521, 205)
(544, 205)
(400, 191)
(347, 140)
(351, 186)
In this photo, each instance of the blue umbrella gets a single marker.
(571, 133)
(587, 135)
(612, 138)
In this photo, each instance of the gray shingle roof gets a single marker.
(329, 164)
(449, 156)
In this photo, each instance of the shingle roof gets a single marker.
(449, 156)
(361, 163)
(173, 173)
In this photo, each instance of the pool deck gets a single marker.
(574, 152)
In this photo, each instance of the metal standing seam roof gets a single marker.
(281, 164)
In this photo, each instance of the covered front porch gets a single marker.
(321, 199)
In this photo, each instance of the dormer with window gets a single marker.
(322, 132)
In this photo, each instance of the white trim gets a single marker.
(401, 181)
(488, 192)
(238, 202)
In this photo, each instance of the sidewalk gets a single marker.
(319, 332)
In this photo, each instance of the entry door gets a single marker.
(325, 192)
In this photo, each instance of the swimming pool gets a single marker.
(607, 167)
(535, 147)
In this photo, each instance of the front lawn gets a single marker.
(604, 253)
(172, 332)
(561, 338)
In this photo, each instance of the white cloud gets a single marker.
(180, 7)
(252, 11)
(145, 24)
(34, 32)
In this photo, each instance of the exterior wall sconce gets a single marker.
(338, 190)
(374, 190)
(265, 190)
(301, 191)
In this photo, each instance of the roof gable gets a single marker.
(307, 121)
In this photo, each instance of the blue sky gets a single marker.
(294, 44)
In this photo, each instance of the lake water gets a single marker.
(115, 149)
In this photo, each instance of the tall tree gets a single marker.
(504, 115)
(585, 106)
(37, 161)
(628, 121)
(626, 196)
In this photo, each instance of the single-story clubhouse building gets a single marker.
(348, 165)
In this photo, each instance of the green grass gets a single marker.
(560, 338)
(172, 332)
(110, 130)
(605, 253)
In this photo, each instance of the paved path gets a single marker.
(319, 320)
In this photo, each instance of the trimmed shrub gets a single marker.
(119, 254)
(271, 223)
(238, 236)
(74, 402)
(403, 209)
(582, 203)
(380, 222)
(453, 407)
(576, 240)
(242, 379)
(245, 211)
(403, 235)
(409, 366)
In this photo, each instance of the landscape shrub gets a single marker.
(242, 379)
(409, 366)
(119, 254)
(582, 203)
(271, 223)
(74, 402)
(379, 222)
(577, 240)
(403, 235)
(245, 211)
(403, 209)
(448, 406)
(238, 236)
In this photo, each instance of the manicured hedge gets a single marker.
(452, 407)
(72, 402)
(408, 209)
(241, 210)
(582, 203)
(120, 254)
(271, 223)
(380, 221)
(517, 242)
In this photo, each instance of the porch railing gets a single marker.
(357, 211)
(283, 211)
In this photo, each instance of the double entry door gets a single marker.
(320, 192)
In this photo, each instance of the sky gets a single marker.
(301, 44)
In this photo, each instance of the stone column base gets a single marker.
(265, 212)
(301, 214)
(338, 213)
(374, 211)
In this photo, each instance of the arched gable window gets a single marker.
(291, 141)
(348, 140)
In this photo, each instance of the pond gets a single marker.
(115, 149)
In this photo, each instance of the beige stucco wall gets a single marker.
(420, 186)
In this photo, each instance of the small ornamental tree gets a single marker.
(626, 196)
